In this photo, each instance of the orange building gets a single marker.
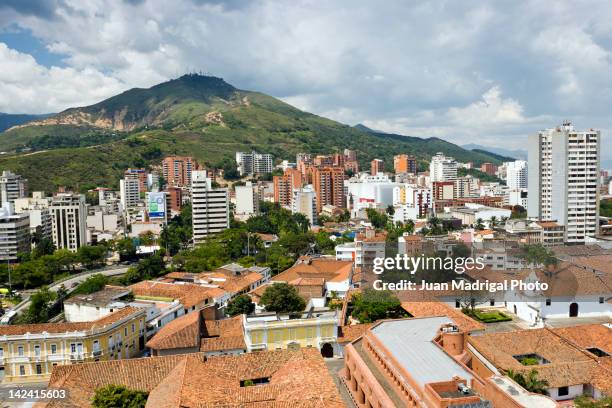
(284, 185)
(175, 197)
(328, 183)
(424, 362)
(140, 175)
(177, 170)
(402, 163)
(377, 166)
(488, 168)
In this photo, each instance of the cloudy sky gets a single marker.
(469, 72)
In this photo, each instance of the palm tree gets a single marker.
(479, 224)
(493, 222)
(534, 384)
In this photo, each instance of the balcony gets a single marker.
(77, 356)
(97, 353)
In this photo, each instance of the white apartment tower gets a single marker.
(442, 168)
(210, 207)
(516, 174)
(14, 233)
(247, 200)
(305, 202)
(12, 187)
(563, 179)
(68, 220)
(129, 190)
(253, 163)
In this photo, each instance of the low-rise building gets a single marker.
(29, 352)
(312, 329)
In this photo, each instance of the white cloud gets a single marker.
(27, 86)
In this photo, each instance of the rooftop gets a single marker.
(100, 298)
(311, 267)
(291, 379)
(188, 294)
(411, 342)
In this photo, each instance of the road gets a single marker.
(70, 282)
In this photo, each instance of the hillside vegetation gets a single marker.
(193, 115)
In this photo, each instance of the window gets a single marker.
(547, 302)
(38, 369)
(491, 302)
(601, 299)
(54, 349)
(133, 328)
(21, 370)
(72, 347)
(457, 303)
(20, 351)
(1, 352)
(37, 351)
(563, 391)
(125, 331)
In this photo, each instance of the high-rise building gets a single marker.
(443, 190)
(14, 233)
(68, 220)
(138, 174)
(324, 160)
(177, 170)
(37, 207)
(328, 184)
(303, 160)
(488, 168)
(284, 186)
(247, 201)
(403, 163)
(209, 207)
(175, 196)
(350, 161)
(377, 166)
(12, 187)
(442, 168)
(516, 174)
(305, 202)
(463, 187)
(129, 190)
(563, 179)
(253, 163)
(350, 155)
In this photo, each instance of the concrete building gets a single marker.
(210, 207)
(253, 163)
(488, 168)
(177, 170)
(403, 163)
(138, 174)
(414, 196)
(69, 220)
(443, 190)
(367, 191)
(471, 213)
(12, 187)
(129, 190)
(305, 202)
(328, 184)
(563, 180)
(14, 233)
(442, 168)
(377, 166)
(247, 201)
(37, 207)
(285, 184)
(516, 174)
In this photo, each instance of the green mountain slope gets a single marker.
(193, 115)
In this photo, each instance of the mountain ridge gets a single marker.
(195, 115)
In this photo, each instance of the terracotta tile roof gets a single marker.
(587, 336)
(223, 328)
(188, 294)
(296, 379)
(223, 343)
(328, 268)
(378, 237)
(308, 282)
(183, 332)
(567, 365)
(20, 329)
(430, 309)
(347, 334)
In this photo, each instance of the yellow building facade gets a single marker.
(29, 352)
(277, 332)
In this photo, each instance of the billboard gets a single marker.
(156, 204)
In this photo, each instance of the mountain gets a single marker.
(8, 120)
(516, 154)
(195, 115)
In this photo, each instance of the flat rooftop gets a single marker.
(411, 342)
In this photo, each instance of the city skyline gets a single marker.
(477, 90)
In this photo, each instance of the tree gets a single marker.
(91, 255)
(479, 224)
(43, 247)
(282, 298)
(531, 383)
(493, 222)
(92, 284)
(119, 396)
(147, 238)
(372, 305)
(435, 226)
(126, 249)
(241, 304)
(40, 304)
(378, 220)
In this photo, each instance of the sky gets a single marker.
(478, 72)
